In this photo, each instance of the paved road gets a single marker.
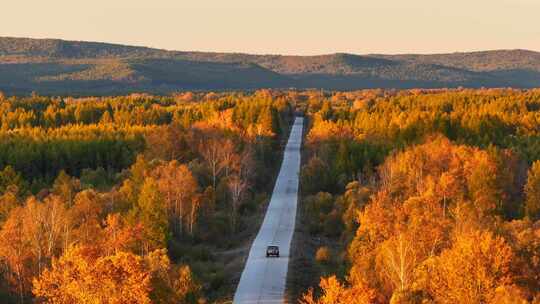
(263, 279)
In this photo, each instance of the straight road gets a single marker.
(263, 279)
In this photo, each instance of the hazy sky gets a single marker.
(283, 26)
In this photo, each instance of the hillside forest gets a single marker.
(411, 196)
(60, 67)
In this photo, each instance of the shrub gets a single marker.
(322, 255)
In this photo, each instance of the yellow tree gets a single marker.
(66, 187)
(397, 259)
(524, 235)
(470, 271)
(86, 214)
(44, 226)
(334, 292)
(16, 254)
(119, 236)
(185, 286)
(532, 190)
(8, 201)
(79, 277)
(179, 190)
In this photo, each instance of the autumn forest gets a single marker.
(406, 196)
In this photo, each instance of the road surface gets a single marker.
(263, 279)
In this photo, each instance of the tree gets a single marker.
(398, 259)
(66, 187)
(45, 227)
(512, 294)
(210, 150)
(79, 277)
(185, 286)
(532, 192)
(315, 176)
(16, 254)
(354, 198)
(168, 285)
(31, 236)
(318, 207)
(266, 124)
(482, 183)
(86, 216)
(343, 165)
(167, 143)
(334, 292)
(522, 235)
(9, 177)
(326, 111)
(238, 183)
(152, 214)
(139, 171)
(194, 212)
(470, 271)
(237, 187)
(448, 188)
(229, 159)
(8, 201)
(119, 236)
(322, 255)
(179, 189)
(106, 118)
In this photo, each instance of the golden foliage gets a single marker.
(77, 277)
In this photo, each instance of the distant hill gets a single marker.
(51, 66)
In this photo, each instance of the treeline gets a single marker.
(424, 196)
(353, 134)
(40, 136)
(128, 202)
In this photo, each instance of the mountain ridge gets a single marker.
(55, 66)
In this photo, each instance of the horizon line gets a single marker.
(272, 54)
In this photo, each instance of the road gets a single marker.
(263, 279)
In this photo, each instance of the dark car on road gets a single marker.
(272, 251)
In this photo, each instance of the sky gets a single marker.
(294, 27)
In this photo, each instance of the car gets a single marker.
(272, 251)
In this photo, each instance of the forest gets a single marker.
(424, 196)
(132, 199)
(408, 196)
